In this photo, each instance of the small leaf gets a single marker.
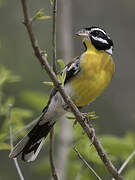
(91, 115)
(71, 117)
(63, 77)
(61, 63)
(48, 83)
(4, 146)
(40, 15)
(44, 17)
(51, 1)
(59, 77)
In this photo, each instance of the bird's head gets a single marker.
(97, 37)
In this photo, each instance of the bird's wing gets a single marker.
(72, 69)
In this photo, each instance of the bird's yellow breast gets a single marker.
(97, 69)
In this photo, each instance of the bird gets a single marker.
(86, 78)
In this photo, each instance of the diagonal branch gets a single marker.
(85, 162)
(11, 144)
(126, 162)
(88, 129)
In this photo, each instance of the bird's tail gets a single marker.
(32, 143)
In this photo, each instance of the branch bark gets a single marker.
(79, 117)
(51, 154)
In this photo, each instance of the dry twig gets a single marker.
(54, 172)
(51, 154)
(44, 63)
(126, 162)
(11, 144)
(86, 163)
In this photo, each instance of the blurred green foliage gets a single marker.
(117, 148)
(18, 114)
(34, 99)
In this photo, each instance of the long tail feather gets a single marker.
(32, 143)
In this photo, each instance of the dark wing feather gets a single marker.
(72, 69)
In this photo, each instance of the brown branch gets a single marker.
(54, 35)
(88, 129)
(11, 144)
(51, 154)
(86, 163)
(54, 173)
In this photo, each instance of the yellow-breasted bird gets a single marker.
(86, 77)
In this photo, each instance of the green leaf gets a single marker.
(61, 63)
(40, 15)
(61, 77)
(44, 17)
(51, 1)
(71, 117)
(91, 115)
(4, 146)
(48, 83)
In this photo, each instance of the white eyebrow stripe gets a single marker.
(98, 29)
(100, 39)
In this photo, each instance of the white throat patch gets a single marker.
(109, 51)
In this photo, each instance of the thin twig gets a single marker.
(51, 154)
(54, 173)
(11, 144)
(43, 61)
(54, 36)
(125, 163)
(86, 163)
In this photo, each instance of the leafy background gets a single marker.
(21, 84)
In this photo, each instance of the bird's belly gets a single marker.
(88, 89)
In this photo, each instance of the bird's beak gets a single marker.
(83, 33)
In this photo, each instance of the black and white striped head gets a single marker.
(98, 37)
